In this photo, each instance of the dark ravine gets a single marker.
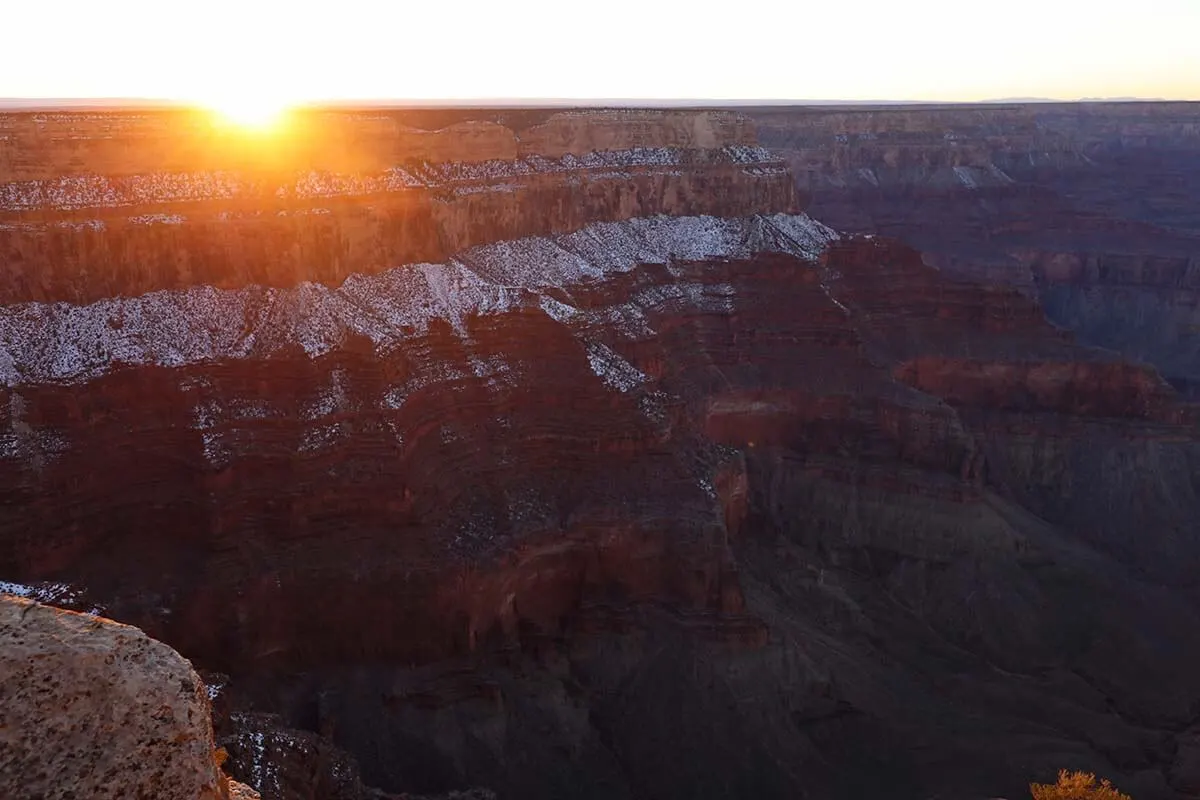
(615, 474)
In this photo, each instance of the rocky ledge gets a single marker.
(226, 211)
(93, 709)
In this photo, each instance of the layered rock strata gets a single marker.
(670, 493)
(261, 213)
(1091, 206)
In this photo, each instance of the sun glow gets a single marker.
(250, 113)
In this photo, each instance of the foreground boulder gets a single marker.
(90, 708)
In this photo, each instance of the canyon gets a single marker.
(624, 453)
(1091, 206)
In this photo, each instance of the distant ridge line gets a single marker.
(149, 103)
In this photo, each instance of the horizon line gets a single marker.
(61, 103)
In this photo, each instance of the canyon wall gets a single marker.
(592, 467)
(1090, 206)
(332, 195)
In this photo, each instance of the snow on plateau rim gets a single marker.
(100, 191)
(50, 593)
(55, 342)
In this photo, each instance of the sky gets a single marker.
(249, 51)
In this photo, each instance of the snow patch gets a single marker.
(320, 437)
(264, 772)
(61, 342)
(47, 592)
(557, 310)
(157, 219)
(967, 177)
(611, 368)
(91, 191)
(332, 400)
(804, 237)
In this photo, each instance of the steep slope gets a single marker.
(658, 489)
(195, 205)
(1092, 206)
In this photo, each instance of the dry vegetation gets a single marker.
(1076, 786)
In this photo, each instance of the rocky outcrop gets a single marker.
(581, 132)
(170, 221)
(396, 396)
(287, 762)
(644, 502)
(545, 506)
(90, 708)
(1088, 206)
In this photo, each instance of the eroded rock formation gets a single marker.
(634, 481)
(279, 217)
(1090, 206)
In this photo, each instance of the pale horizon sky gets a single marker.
(239, 50)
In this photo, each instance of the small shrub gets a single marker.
(1076, 786)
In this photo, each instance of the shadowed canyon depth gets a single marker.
(638, 454)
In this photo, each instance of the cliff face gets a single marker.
(1091, 207)
(334, 195)
(589, 468)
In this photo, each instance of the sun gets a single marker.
(259, 114)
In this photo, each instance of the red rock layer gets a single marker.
(1089, 206)
(96, 205)
(847, 524)
(985, 346)
(49, 145)
(251, 512)
(361, 235)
